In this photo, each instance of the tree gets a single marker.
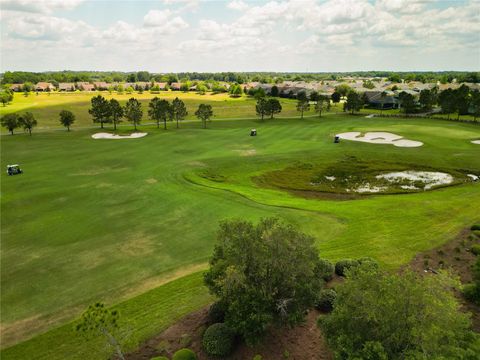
(427, 99)
(336, 97)
(462, 100)
(159, 110)
(475, 104)
(446, 100)
(407, 102)
(179, 110)
(143, 76)
(97, 321)
(343, 89)
(273, 107)
(314, 96)
(10, 122)
(27, 121)
(302, 102)
(261, 107)
(204, 113)
(67, 118)
(264, 274)
(259, 93)
(402, 316)
(354, 102)
(6, 96)
(116, 112)
(323, 103)
(274, 91)
(235, 90)
(100, 110)
(133, 112)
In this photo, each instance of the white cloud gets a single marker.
(237, 5)
(39, 6)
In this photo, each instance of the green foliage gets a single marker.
(160, 110)
(343, 89)
(179, 110)
(27, 121)
(354, 102)
(302, 102)
(326, 300)
(261, 107)
(257, 357)
(336, 97)
(475, 227)
(263, 273)
(184, 354)
(325, 269)
(10, 122)
(67, 118)
(322, 103)
(159, 358)
(371, 305)
(446, 100)
(133, 111)
(343, 265)
(218, 340)
(204, 113)
(6, 96)
(475, 249)
(100, 110)
(216, 312)
(407, 102)
(273, 107)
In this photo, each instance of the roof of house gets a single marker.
(66, 86)
(43, 85)
(375, 97)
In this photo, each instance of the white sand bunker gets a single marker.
(412, 179)
(114, 136)
(380, 138)
(476, 142)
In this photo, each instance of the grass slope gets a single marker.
(105, 220)
(146, 315)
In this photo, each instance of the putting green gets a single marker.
(94, 220)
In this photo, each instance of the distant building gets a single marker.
(16, 87)
(175, 86)
(376, 100)
(66, 87)
(44, 86)
(85, 86)
(100, 85)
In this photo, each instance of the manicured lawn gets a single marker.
(105, 220)
(46, 107)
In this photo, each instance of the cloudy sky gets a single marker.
(240, 35)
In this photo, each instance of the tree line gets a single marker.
(16, 77)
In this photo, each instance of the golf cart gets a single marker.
(253, 132)
(14, 169)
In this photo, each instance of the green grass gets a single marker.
(142, 317)
(46, 107)
(105, 220)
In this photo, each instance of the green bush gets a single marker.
(342, 265)
(325, 301)
(159, 358)
(475, 227)
(325, 269)
(218, 340)
(216, 313)
(472, 293)
(184, 354)
(476, 249)
(257, 357)
(368, 260)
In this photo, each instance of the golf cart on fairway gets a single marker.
(253, 132)
(14, 169)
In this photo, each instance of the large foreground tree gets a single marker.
(10, 122)
(134, 112)
(100, 110)
(263, 274)
(67, 118)
(204, 113)
(398, 316)
(179, 110)
(27, 121)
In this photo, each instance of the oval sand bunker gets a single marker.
(113, 136)
(380, 138)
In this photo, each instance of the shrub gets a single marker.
(218, 340)
(476, 249)
(342, 265)
(159, 358)
(216, 312)
(472, 293)
(325, 269)
(368, 260)
(257, 357)
(326, 298)
(184, 354)
(475, 227)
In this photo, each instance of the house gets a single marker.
(376, 100)
(85, 86)
(175, 86)
(66, 87)
(100, 85)
(141, 85)
(161, 85)
(16, 87)
(44, 86)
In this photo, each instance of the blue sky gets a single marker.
(240, 35)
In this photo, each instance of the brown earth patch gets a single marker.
(303, 342)
(456, 256)
(151, 181)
